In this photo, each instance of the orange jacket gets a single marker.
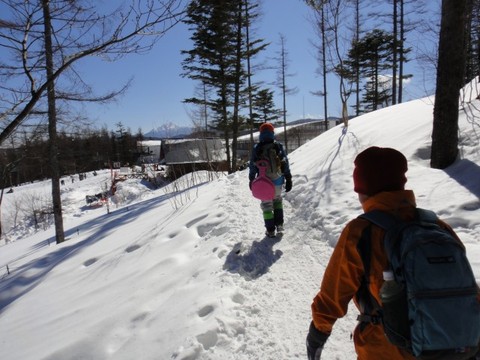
(344, 273)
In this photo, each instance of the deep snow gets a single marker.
(184, 272)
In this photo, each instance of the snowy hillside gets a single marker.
(189, 275)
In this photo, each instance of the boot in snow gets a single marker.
(280, 229)
(270, 233)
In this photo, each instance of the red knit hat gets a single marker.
(379, 169)
(266, 127)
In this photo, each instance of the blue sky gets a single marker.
(156, 95)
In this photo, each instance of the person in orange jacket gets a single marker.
(379, 179)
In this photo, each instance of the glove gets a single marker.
(314, 354)
(315, 342)
(288, 183)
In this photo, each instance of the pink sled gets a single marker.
(262, 187)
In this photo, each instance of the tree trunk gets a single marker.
(284, 95)
(324, 66)
(401, 53)
(249, 73)
(52, 128)
(226, 131)
(376, 78)
(357, 68)
(450, 71)
(1, 198)
(237, 81)
(394, 52)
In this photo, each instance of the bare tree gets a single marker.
(47, 38)
(395, 4)
(33, 207)
(333, 24)
(321, 29)
(282, 75)
(79, 32)
(337, 10)
(406, 16)
(200, 113)
(52, 123)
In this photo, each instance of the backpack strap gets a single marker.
(260, 145)
(393, 227)
(277, 146)
(380, 218)
(387, 221)
(369, 307)
(426, 215)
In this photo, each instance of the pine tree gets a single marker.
(264, 108)
(217, 60)
(253, 47)
(374, 54)
(212, 60)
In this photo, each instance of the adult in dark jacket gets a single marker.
(278, 172)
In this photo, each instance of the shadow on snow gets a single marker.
(256, 261)
(27, 276)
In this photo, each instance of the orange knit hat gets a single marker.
(266, 127)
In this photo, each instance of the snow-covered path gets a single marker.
(260, 319)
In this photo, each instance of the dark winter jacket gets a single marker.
(283, 172)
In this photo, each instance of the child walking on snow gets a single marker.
(278, 171)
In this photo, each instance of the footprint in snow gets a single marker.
(132, 248)
(90, 262)
(205, 311)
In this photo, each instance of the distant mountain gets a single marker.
(169, 131)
